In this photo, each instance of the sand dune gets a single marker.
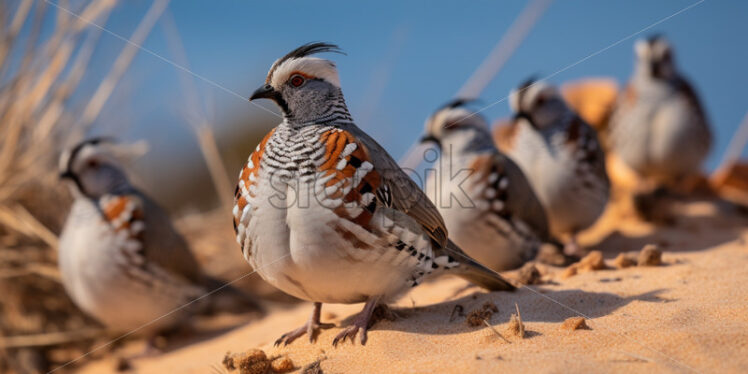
(691, 314)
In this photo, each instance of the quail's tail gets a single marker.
(476, 273)
(229, 299)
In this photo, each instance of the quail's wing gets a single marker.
(398, 191)
(689, 94)
(510, 196)
(147, 236)
(360, 175)
(582, 138)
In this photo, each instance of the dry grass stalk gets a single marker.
(105, 89)
(39, 72)
(198, 119)
(496, 332)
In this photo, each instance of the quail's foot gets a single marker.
(361, 322)
(310, 328)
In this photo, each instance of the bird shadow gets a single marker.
(536, 305)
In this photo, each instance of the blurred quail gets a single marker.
(561, 157)
(659, 128)
(487, 203)
(121, 259)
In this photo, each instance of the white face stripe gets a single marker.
(532, 93)
(528, 96)
(311, 66)
(437, 122)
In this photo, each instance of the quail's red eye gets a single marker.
(93, 163)
(297, 80)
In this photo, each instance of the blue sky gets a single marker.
(406, 58)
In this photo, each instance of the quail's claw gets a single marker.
(310, 328)
(361, 322)
(350, 332)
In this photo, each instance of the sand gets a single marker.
(688, 315)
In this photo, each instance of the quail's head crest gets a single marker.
(457, 103)
(528, 82)
(311, 49)
(654, 38)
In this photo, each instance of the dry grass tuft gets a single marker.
(40, 328)
(516, 327)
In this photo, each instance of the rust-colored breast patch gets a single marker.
(350, 165)
(124, 213)
(251, 168)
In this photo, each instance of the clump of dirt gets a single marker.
(484, 313)
(623, 261)
(650, 255)
(516, 327)
(282, 365)
(574, 323)
(593, 261)
(569, 272)
(228, 361)
(551, 255)
(253, 361)
(529, 274)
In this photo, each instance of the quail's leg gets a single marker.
(310, 328)
(361, 322)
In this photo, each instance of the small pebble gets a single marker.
(282, 365)
(623, 261)
(650, 256)
(574, 323)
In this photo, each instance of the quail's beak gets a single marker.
(66, 175)
(519, 115)
(431, 139)
(265, 92)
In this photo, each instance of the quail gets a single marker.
(121, 260)
(326, 215)
(487, 203)
(659, 128)
(561, 157)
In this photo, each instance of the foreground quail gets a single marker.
(561, 157)
(487, 203)
(121, 260)
(659, 128)
(325, 214)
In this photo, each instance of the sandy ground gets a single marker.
(689, 315)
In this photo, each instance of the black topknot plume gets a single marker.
(652, 39)
(528, 82)
(310, 49)
(457, 102)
